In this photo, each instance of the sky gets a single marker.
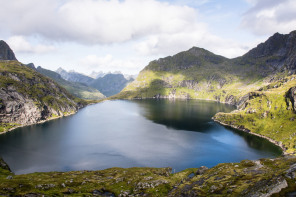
(125, 35)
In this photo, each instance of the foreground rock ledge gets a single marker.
(262, 177)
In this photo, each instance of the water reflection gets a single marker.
(188, 115)
(156, 133)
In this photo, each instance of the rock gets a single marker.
(71, 191)
(266, 187)
(291, 172)
(45, 186)
(242, 103)
(230, 99)
(4, 165)
(291, 97)
(213, 188)
(9, 177)
(5, 52)
(102, 192)
(190, 84)
(201, 170)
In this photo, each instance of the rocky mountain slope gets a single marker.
(110, 84)
(27, 97)
(198, 73)
(75, 88)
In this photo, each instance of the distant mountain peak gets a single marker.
(5, 51)
(60, 69)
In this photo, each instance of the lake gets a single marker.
(153, 133)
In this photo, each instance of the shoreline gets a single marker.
(49, 119)
(256, 134)
(39, 122)
(283, 148)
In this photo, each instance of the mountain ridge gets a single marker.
(198, 73)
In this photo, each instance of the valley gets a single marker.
(261, 84)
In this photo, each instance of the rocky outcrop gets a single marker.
(5, 52)
(242, 103)
(27, 97)
(230, 99)
(190, 84)
(291, 98)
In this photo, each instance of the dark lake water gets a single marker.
(155, 133)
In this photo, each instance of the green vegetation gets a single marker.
(196, 74)
(269, 114)
(265, 176)
(28, 82)
(6, 126)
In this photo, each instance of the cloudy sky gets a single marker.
(125, 35)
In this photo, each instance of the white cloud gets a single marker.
(266, 17)
(109, 63)
(20, 44)
(197, 35)
(94, 21)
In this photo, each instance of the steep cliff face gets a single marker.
(27, 97)
(5, 52)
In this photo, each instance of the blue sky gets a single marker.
(125, 35)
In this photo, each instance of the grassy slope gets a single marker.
(214, 77)
(229, 179)
(268, 115)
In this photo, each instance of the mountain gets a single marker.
(28, 97)
(5, 52)
(110, 84)
(77, 89)
(198, 73)
(74, 76)
(278, 52)
(96, 75)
